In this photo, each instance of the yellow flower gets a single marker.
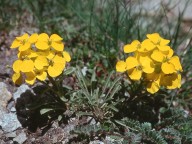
(41, 62)
(133, 47)
(23, 66)
(153, 59)
(156, 39)
(24, 42)
(171, 81)
(33, 75)
(121, 66)
(30, 77)
(135, 67)
(17, 78)
(28, 54)
(153, 82)
(45, 42)
(153, 87)
(21, 42)
(41, 75)
(56, 67)
(169, 64)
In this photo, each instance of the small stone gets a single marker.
(20, 90)
(5, 95)
(10, 105)
(33, 139)
(21, 138)
(9, 122)
(11, 134)
(96, 142)
(13, 109)
(91, 120)
(2, 142)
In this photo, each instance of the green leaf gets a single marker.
(60, 117)
(63, 99)
(45, 110)
(69, 71)
(113, 108)
(121, 123)
(80, 113)
(93, 77)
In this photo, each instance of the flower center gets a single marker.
(139, 67)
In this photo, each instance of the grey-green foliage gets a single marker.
(175, 127)
(98, 101)
(144, 129)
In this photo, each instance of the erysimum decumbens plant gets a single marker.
(42, 58)
(39, 57)
(153, 62)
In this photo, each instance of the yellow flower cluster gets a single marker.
(38, 56)
(152, 60)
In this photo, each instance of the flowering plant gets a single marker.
(152, 60)
(39, 57)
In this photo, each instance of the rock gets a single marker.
(96, 142)
(2, 142)
(175, 6)
(5, 95)
(20, 90)
(13, 109)
(10, 105)
(21, 138)
(11, 134)
(9, 122)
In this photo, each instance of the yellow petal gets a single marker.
(168, 68)
(135, 74)
(16, 43)
(148, 45)
(164, 48)
(43, 37)
(172, 81)
(164, 42)
(132, 47)
(17, 66)
(58, 59)
(176, 83)
(121, 66)
(128, 48)
(58, 66)
(131, 62)
(33, 38)
(23, 37)
(41, 75)
(32, 54)
(51, 55)
(56, 69)
(66, 56)
(59, 46)
(30, 78)
(25, 47)
(55, 37)
(42, 45)
(176, 62)
(27, 66)
(168, 53)
(152, 87)
(17, 78)
(40, 62)
(155, 37)
(147, 64)
(153, 76)
(157, 56)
